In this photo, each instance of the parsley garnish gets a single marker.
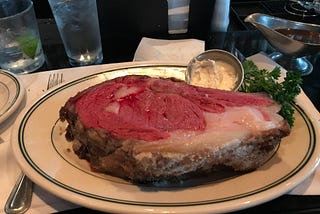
(262, 80)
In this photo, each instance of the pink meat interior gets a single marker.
(144, 108)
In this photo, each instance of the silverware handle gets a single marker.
(20, 197)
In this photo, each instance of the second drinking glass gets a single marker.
(78, 24)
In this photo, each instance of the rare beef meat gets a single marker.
(146, 129)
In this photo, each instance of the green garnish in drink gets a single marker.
(28, 45)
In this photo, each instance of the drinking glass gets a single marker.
(316, 5)
(20, 44)
(178, 16)
(78, 24)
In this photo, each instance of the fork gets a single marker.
(19, 200)
(54, 79)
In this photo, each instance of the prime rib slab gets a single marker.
(147, 129)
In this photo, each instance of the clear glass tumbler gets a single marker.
(178, 16)
(78, 24)
(20, 44)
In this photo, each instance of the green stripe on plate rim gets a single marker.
(127, 202)
(16, 82)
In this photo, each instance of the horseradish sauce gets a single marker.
(213, 74)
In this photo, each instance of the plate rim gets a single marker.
(206, 207)
(16, 99)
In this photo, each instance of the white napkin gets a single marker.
(181, 51)
(45, 202)
(35, 85)
(311, 185)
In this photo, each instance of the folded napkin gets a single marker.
(179, 51)
(35, 86)
(311, 185)
(149, 49)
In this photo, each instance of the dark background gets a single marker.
(124, 22)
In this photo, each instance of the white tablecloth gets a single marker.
(43, 201)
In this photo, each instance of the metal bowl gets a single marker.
(215, 69)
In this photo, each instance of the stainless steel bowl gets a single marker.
(215, 69)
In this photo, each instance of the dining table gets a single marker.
(120, 48)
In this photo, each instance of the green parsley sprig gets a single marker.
(262, 80)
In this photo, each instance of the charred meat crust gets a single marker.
(110, 154)
(117, 157)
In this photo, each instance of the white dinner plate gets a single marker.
(46, 157)
(11, 94)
